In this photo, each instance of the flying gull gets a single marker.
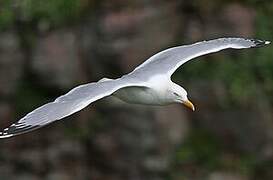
(150, 84)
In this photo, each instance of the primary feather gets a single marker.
(154, 75)
(169, 60)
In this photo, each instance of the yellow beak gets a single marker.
(189, 105)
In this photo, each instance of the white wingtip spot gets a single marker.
(5, 135)
(267, 42)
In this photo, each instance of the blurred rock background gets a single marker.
(48, 47)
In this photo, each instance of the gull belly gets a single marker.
(154, 94)
(149, 83)
(139, 95)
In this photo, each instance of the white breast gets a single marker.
(154, 95)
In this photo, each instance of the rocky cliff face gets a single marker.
(40, 60)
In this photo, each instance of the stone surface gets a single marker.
(11, 63)
(226, 176)
(112, 140)
(55, 59)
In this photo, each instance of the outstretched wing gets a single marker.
(167, 61)
(65, 105)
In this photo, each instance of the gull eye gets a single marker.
(176, 94)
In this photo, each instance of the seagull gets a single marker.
(149, 84)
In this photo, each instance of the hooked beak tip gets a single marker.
(189, 104)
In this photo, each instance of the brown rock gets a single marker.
(226, 176)
(55, 59)
(11, 63)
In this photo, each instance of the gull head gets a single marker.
(179, 95)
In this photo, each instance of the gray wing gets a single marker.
(65, 105)
(167, 61)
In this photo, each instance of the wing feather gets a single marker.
(167, 61)
(65, 105)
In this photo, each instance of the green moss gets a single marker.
(53, 12)
(6, 14)
(28, 97)
(205, 152)
(200, 148)
(97, 124)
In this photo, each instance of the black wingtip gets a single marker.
(259, 43)
(16, 129)
(5, 135)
